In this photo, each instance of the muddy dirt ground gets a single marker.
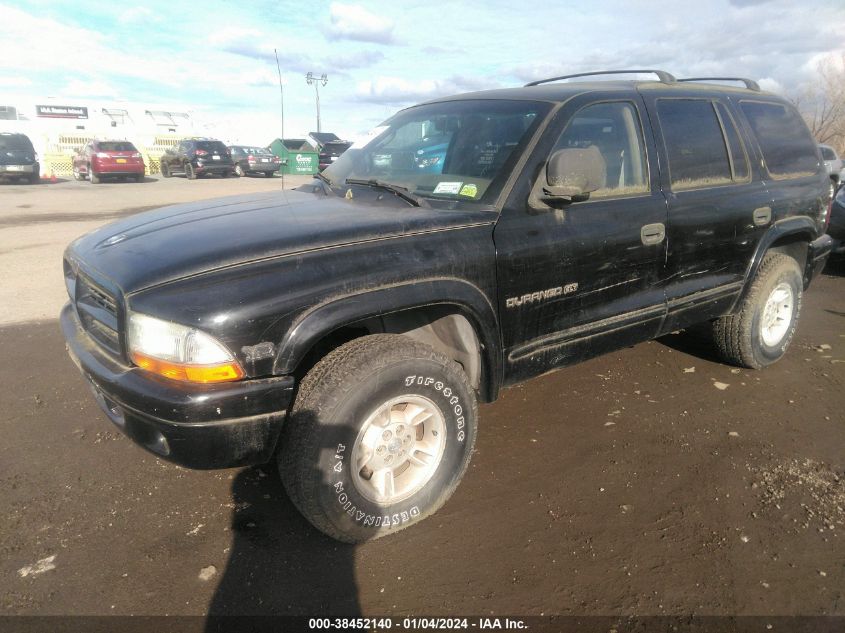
(654, 480)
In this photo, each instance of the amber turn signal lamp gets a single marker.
(190, 373)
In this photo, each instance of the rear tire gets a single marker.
(93, 178)
(761, 331)
(76, 174)
(165, 170)
(268, 174)
(139, 177)
(239, 171)
(190, 173)
(379, 437)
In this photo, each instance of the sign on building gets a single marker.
(61, 112)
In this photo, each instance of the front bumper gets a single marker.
(198, 426)
(817, 255)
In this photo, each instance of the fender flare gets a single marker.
(798, 226)
(338, 312)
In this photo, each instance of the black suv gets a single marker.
(197, 157)
(18, 158)
(347, 329)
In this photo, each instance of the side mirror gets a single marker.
(574, 172)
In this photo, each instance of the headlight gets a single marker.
(179, 352)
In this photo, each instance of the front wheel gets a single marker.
(760, 332)
(379, 437)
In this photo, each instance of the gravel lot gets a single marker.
(654, 480)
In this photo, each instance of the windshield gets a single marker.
(15, 142)
(452, 149)
(116, 146)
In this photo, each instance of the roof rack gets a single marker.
(749, 83)
(662, 75)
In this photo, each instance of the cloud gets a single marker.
(361, 59)
(14, 82)
(137, 15)
(400, 91)
(354, 22)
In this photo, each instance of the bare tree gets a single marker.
(822, 103)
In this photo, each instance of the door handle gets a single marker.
(762, 216)
(652, 233)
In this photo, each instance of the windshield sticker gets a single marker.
(469, 189)
(448, 187)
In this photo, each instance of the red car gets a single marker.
(101, 159)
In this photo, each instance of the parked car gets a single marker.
(836, 229)
(834, 166)
(329, 147)
(108, 159)
(346, 330)
(18, 158)
(254, 160)
(197, 157)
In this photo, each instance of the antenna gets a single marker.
(282, 97)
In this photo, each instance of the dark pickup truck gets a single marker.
(347, 329)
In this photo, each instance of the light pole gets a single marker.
(311, 79)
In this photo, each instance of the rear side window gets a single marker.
(698, 156)
(788, 148)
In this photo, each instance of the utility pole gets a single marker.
(311, 79)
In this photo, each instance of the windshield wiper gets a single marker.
(402, 192)
(325, 179)
(327, 183)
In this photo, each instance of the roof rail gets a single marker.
(749, 83)
(662, 75)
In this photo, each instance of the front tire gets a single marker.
(379, 437)
(761, 331)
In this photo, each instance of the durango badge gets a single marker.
(542, 295)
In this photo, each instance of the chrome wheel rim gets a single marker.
(398, 449)
(777, 315)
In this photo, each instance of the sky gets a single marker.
(216, 58)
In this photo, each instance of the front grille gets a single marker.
(97, 309)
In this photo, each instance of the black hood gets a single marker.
(171, 243)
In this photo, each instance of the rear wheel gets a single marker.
(239, 171)
(190, 173)
(35, 178)
(268, 174)
(93, 178)
(379, 437)
(165, 170)
(76, 174)
(760, 332)
(139, 177)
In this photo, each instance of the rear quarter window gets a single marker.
(787, 146)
